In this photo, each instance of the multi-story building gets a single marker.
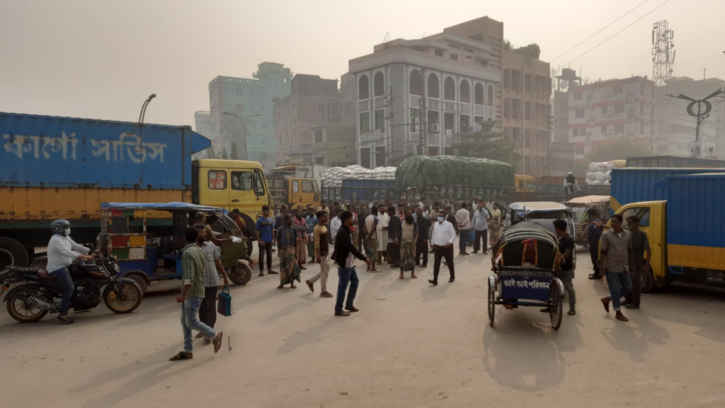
(415, 96)
(561, 159)
(527, 110)
(333, 145)
(313, 102)
(609, 110)
(675, 128)
(242, 112)
(202, 126)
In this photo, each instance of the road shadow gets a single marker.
(636, 337)
(305, 337)
(306, 302)
(523, 355)
(397, 284)
(162, 371)
(432, 293)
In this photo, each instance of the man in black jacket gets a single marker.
(344, 256)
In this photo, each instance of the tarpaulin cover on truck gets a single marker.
(423, 171)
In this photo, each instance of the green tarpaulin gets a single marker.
(421, 172)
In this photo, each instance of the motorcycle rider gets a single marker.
(62, 251)
(571, 184)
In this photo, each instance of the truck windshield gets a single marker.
(258, 183)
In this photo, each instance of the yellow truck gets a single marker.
(295, 186)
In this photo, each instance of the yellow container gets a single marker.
(137, 241)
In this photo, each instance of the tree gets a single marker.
(532, 50)
(618, 150)
(486, 144)
(224, 155)
(210, 153)
(235, 151)
(507, 45)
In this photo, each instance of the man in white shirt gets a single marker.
(442, 244)
(62, 251)
(335, 224)
(463, 218)
(382, 231)
(480, 227)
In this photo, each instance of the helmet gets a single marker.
(59, 226)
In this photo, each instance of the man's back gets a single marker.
(463, 218)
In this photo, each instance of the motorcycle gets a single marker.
(93, 280)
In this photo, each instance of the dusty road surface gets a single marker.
(411, 345)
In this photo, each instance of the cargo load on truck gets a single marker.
(333, 178)
(453, 177)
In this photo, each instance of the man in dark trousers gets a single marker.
(639, 261)
(393, 246)
(344, 255)
(594, 233)
(442, 243)
(421, 246)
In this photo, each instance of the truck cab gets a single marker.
(296, 192)
(651, 216)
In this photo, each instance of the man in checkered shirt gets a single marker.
(214, 267)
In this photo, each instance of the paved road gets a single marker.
(411, 345)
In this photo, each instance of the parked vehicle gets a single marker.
(294, 192)
(524, 183)
(42, 294)
(151, 252)
(543, 212)
(674, 162)
(56, 167)
(368, 190)
(631, 185)
(307, 171)
(580, 206)
(685, 230)
(449, 177)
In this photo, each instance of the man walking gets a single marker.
(594, 233)
(311, 221)
(442, 243)
(287, 241)
(393, 241)
(301, 241)
(495, 225)
(616, 245)
(463, 219)
(265, 240)
(421, 245)
(345, 254)
(213, 267)
(566, 275)
(371, 238)
(639, 264)
(480, 227)
(193, 263)
(322, 251)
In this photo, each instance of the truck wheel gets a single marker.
(140, 281)
(646, 281)
(13, 253)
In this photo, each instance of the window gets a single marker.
(433, 122)
(439, 53)
(619, 129)
(465, 122)
(448, 121)
(217, 180)
(365, 157)
(490, 95)
(641, 212)
(484, 62)
(379, 84)
(380, 156)
(308, 186)
(318, 135)
(321, 110)
(414, 119)
(580, 113)
(416, 83)
(577, 95)
(364, 88)
(365, 122)
(239, 91)
(465, 93)
(619, 108)
(604, 110)
(478, 94)
(618, 89)
(380, 119)
(320, 160)
(604, 129)
(295, 186)
(454, 57)
(527, 83)
(527, 110)
(455, 46)
(449, 89)
(433, 86)
(242, 180)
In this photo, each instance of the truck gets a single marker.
(367, 190)
(451, 177)
(685, 230)
(58, 167)
(631, 185)
(296, 186)
(674, 162)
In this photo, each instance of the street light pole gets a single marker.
(142, 114)
(244, 126)
(703, 111)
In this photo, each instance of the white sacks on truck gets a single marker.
(601, 172)
(333, 176)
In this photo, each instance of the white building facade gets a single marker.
(415, 96)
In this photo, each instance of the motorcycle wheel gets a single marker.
(129, 300)
(19, 310)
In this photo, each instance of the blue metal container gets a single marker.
(368, 190)
(696, 212)
(632, 185)
(60, 152)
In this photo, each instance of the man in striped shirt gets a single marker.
(213, 268)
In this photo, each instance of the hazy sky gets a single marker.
(101, 59)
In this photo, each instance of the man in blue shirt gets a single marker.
(265, 239)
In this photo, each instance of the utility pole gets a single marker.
(703, 112)
(391, 114)
(423, 139)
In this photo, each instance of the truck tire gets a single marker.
(647, 281)
(13, 253)
(240, 273)
(140, 280)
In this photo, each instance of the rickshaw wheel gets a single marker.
(491, 302)
(556, 310)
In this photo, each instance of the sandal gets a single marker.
(401, 276)
(182, 356)
(218, 342)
